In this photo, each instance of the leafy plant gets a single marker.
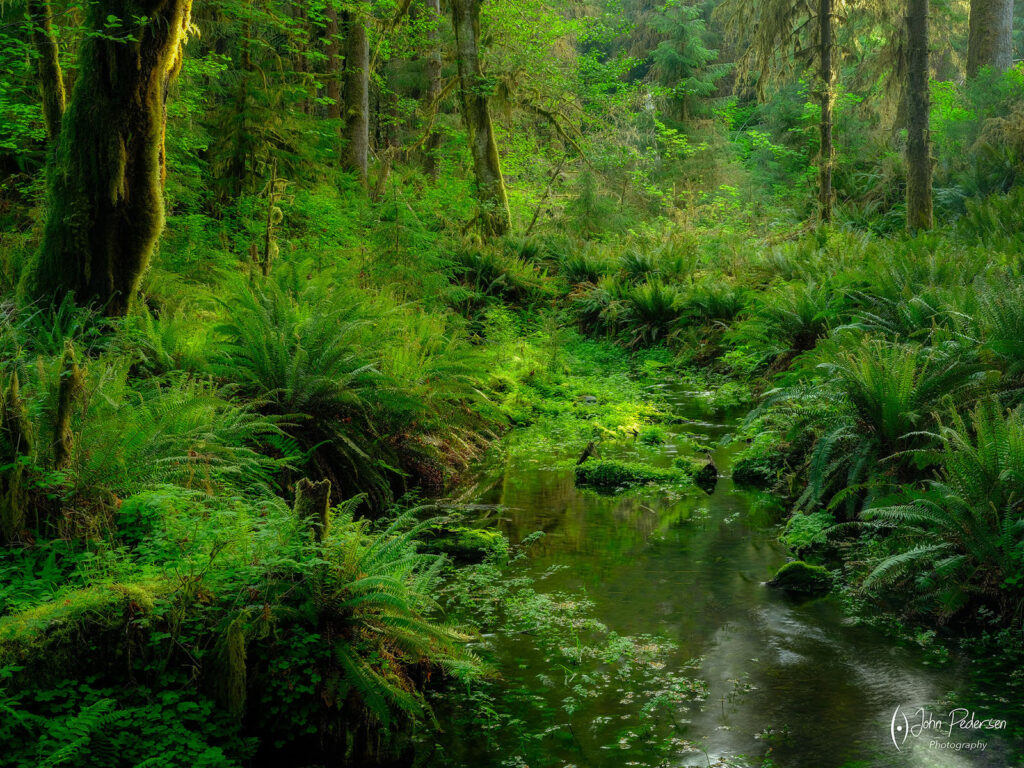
(961, 539)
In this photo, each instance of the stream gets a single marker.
(692, 569)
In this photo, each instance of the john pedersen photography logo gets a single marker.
(940, 731)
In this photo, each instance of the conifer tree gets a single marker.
(919, 160)
(990, 41)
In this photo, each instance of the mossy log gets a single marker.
(616, 474)
(89, 630)
(466, 545)
(106, 202)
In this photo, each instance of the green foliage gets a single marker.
(881, 398)
(806, 531)
(961, 538)
(611, 474)
(651, 312)
(791, 318)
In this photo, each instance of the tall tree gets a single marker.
(106, 207)
(332, 52)
(357, 97)
(473, 94)
(51, 79)
(825, 96)
(919, 159)
(990, 41)
(770, 29)
(433, 141)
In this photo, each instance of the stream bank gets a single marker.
(667, 647)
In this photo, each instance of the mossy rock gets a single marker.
(467, 545)
(703, 472)
(798, 577)
(620, 474)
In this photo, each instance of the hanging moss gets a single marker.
(229, 673)
(15, 443)
(106, 207)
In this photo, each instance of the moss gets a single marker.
(464, 544)
(618, 474)
(82, 630)
(802, 578)
(703, 472)
(106, 183)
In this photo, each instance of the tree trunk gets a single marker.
(919, 160)
(313, 506)
(357, 98)
(825, 100)
(332, 49)
(433, 142)
(51, 80)
(15, 444)
(990, 41)
(473, 88)
(106, 186)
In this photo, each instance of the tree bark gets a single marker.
(433, 142)
(827, 158)
(990, 40)
(473, 89)
(919, 160)
(332, 49)
(15, 443)
(313, 506)
(107, 182)
(357, 99)
(51, 79)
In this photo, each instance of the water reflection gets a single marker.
(693, 569)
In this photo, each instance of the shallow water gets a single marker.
(693, 570)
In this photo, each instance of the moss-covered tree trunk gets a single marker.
(332, 51)
(106, 207)
(990, 39)
(357, 98)
(473, 93)
(827, 158)
(51, 79)
(433, 141)
(919, 160)
(15, 447)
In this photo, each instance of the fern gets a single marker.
(962, 538)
